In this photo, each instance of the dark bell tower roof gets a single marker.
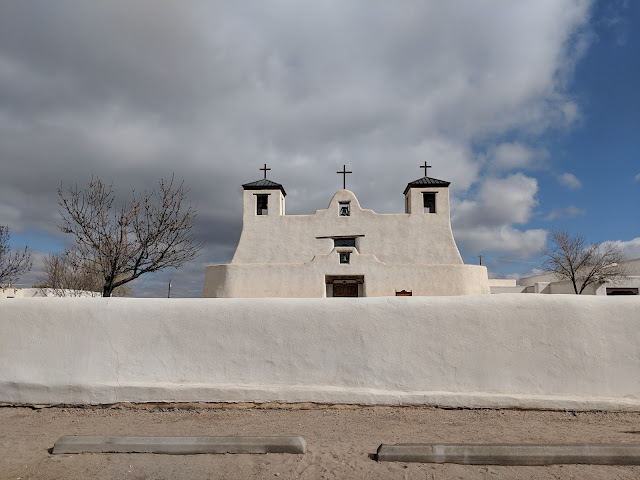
(264, 184)
(426, 182)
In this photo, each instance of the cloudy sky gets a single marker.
(531, 109)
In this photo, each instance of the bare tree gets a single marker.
(12, 264)
(569, 257)
(150, 232)
(62, 277)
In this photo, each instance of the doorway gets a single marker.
(344, 285)
(345, 289)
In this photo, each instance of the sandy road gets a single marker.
(341, 441)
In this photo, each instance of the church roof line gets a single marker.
(264, 184)
(426, 182)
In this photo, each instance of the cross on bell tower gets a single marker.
(344, 173)
(264, 169)
(425, 166)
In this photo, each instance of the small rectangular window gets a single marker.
(344, 257)
(344, 242)
(429, 202)
(345, 209)
(262, 204)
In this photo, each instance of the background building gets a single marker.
(549, 283)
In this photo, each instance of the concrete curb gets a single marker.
(471, 454)
(178, 445)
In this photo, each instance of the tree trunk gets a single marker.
(107, 290)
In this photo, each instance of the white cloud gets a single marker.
(516, 275)
(530, 273)
(503, 239)
(573, 211)
(212, 90)
(569, 180)
(637, 178)
(571, 112)
(486, 222)
(570, 211)
(515, 155)
(500, 201)
(453, 163)
(630, 249)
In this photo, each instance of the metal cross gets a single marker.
(265, 170)
(425, 166)
(344, 176)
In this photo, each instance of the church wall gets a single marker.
(308, 280)
(393, 238)
(485, 351)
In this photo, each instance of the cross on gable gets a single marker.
(425, 166)
(265, 170)
(344, 176)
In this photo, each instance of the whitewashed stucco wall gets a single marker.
(308, 280)
(290, 255)
(528, 351)
(393, 238)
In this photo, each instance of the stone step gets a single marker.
(523, 454)
(178, 445)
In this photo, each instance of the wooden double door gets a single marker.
(345, 285)
(345, 289)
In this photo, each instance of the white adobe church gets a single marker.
(345, 250)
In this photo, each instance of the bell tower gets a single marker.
(263, 197)
(427, 196)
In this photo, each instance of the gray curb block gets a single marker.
(178, 445)
(486, 454)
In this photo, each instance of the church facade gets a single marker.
(345, 250)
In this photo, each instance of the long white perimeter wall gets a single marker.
(528, 351)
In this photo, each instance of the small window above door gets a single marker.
(345, 209)
(344, 242)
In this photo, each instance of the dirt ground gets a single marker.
(342, 441)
